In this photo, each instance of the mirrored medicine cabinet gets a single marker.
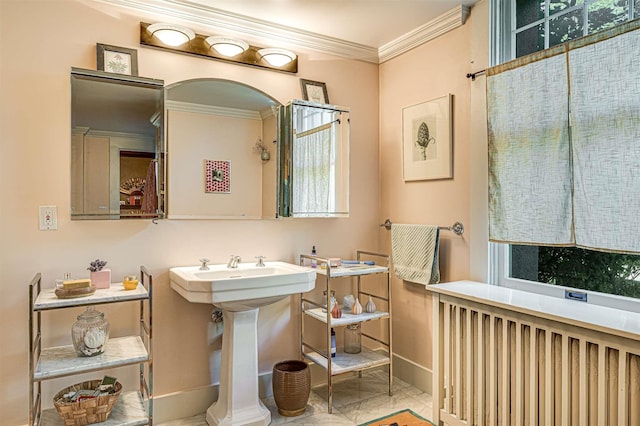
(124, 165)
(313, 171)
(117, 146)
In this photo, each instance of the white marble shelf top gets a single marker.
(353, 271)
(47, 298)
(63, 361)
(347, 317)
(129, 410)
(343, 363)
(615, 321)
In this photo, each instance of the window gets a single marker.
(522, 27)
(539, 24)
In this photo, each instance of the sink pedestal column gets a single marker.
(238, 401)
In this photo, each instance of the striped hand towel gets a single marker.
(415, 253)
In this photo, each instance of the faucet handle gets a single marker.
(204, 262)
(261, 260)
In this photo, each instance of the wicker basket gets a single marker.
(291, 386)
(87, 411)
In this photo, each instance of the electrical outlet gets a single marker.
(48, 218)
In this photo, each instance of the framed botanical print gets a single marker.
(427, 140)
(118, 60)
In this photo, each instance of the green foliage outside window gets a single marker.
(604, 272)
(565, 26)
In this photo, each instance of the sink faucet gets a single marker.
(204, 266)
(233, 261)
(261, 261)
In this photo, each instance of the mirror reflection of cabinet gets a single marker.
(112, 114)
(313, 159)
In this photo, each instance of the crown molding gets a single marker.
(212, 110)
(448, 21)
(283, 36)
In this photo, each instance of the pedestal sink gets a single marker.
(240, 292)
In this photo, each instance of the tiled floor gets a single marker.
(355, 401)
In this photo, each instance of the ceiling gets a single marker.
(368, 30)
(372, 23)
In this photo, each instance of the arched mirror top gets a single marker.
(217, 92)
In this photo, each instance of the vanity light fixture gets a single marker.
(227, 46)
(171, 34)
(277, 57)
(222, 48)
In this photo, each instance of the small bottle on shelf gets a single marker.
(333, 343)
(314, 263)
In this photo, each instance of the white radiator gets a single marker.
(494, 365)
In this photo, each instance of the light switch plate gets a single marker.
(48, 218)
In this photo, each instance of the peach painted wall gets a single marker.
(432, 70)
(35, 170)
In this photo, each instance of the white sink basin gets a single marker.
(246, 287)
(240, 292)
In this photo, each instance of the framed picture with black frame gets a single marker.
(118, 60)
(314, 91)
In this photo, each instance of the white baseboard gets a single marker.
(188, 403)
(412, 373)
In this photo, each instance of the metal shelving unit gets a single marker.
(132, 408)
(344, 362)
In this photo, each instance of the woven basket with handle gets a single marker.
(86, 411)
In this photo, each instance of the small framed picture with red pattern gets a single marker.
(217, 176)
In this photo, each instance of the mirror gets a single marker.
(117, 146)
(313, 176)
(220, 150)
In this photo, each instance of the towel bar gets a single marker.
(457, 228)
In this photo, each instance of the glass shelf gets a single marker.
(62, 361)
(344, 363)
(347, 317)
(47, 298)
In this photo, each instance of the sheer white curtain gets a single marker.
(564, 144)
(312, 174)
(605, 130)
(529, 171)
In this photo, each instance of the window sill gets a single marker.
(608, 320)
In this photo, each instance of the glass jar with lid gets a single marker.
(352, 339)
(90, 333)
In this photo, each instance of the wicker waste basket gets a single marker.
(291, 387)
(87, 411)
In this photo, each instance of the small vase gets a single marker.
(370, 307)
(336, 312)
(347, 301)
(101, 279)
(357, 308)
